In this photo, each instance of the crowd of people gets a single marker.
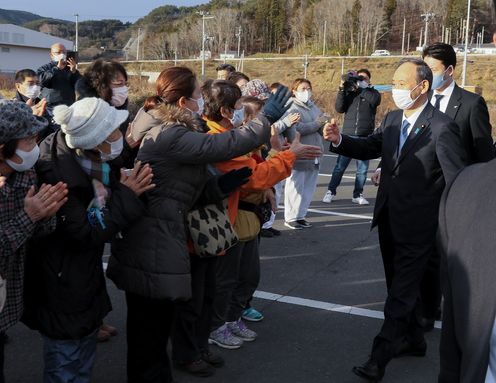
(184, 190)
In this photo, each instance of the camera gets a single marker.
(350, 81)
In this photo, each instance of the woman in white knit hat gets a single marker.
(66, 293)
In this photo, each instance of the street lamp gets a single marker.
(464, 73)
(205, 16)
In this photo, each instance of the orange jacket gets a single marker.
(265, 174)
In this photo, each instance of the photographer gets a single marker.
(58, 77)
(359, 101)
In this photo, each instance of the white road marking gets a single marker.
(334, 307)
(325, 212)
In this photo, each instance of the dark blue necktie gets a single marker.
(437, 105)
(404, 134)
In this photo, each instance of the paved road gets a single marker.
(310, 334)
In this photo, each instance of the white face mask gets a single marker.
(201, 105)
(119, 96)
(238, 117)
(303, 96)
(28, 159)
(115, 150)
(363, 84)
(403, 99)
(59, 57)
(438, 80)
(32, 91)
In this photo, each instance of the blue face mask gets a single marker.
(238, 117)
(438, 80)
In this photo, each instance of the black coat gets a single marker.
(57, 85)
(66, 297)
(411, 184)
(152, 258)
(469, 110)
(360, 108)
(466, 232)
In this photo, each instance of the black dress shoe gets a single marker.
(266, 233)
(276, 232)
(370, 371)
(405, 348)
(427, 324)
(198, 368)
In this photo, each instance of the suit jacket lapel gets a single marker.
(418, 130)
(396, 130)
(454, 102)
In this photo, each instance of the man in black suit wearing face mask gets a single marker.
(421, 151)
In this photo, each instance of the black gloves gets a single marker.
(275, 107)
(232, 180)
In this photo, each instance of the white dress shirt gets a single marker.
(413, 118)
(491, 368)
(443, 105)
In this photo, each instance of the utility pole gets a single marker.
(76, 45)
(464, 73)
(205, 16)
(403, 39)
(324, 44)
(482, 36)
(427, 17)
(305, 66)
(421, 34)
(138, 46)
(408, 44)
(238, 35)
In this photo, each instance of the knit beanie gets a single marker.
(256, 88)
(88, 122)
(17, 121)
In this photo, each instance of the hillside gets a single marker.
(8, 16)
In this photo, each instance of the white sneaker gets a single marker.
(360, 200)
(328, 197)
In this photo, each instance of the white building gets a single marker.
(22, 48)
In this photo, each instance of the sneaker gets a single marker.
(198, 367)
(276, 232)
(266, 233)
(252, 315)
(360, 200)
(293, 225)
(304, 223)
(223, 337)
(212, 358)
(328, 197)
(240, 330)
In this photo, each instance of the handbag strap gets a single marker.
(247, 206)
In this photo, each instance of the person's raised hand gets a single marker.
(277, 104)
(61, 64)
(39, 109)
(304, 152)
(46, 202)
(2, 181)
(140, 179)
(72, 64)
(331, 132)
(129, 137)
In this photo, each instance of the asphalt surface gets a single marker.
(303, 338)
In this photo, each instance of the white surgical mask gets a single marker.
(115, 150)
(201, 105)
(32, 91)
(119, 96)
(28, 159)
(403, 97)
(238, 117)
(438, 80)
(303, 95)
(363, 84)
(59, 57)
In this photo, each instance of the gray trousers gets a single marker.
(237, 277)
(300, 188)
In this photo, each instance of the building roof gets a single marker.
(11, 34)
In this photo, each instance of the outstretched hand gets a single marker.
(140, 179)
(304, 152)
(277, 104)
(331, 132)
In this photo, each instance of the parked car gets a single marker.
(381, 52)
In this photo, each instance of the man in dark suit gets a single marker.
(466, 233)
(421, 150)
(469, 111)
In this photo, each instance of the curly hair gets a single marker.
(99, 76)
(218, 94)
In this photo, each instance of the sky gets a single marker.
(125, 10)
